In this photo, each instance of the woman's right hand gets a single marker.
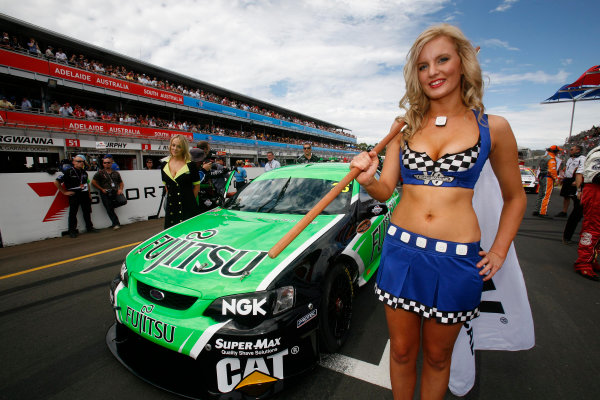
(367, 163)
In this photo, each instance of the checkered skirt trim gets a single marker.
(443, 317)
(457, 162)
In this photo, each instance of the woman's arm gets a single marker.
(383, 188)
(505, 163)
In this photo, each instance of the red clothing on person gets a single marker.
(589, 241)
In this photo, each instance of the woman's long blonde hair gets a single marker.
(415, 102)
(185, 147)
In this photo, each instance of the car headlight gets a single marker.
(124, 275)
(284, 300)
(253, 307)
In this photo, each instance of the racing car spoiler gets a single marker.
(329, 197)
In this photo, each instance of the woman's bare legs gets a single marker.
(404, 328)
(438, 343)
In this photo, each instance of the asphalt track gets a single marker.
(53, 322)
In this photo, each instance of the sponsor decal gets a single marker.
(72, 74)
(377, 210)
(191, 255)
(379, 232)
(147, 309)
(150, 326)
(72, 143)
(160, 134)
(111, 84)
(243, 306)
(86, 126)
(127, 131)
(308, 317)
(436, 178)
(116, 145)
(363, 226)
(201, 235)
(169, 96)
(26, 140)
(59, 205)
(586, 239)
(233, 373)
(259, 347)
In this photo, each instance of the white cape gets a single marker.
(505, 322)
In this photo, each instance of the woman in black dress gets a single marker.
(181, 179)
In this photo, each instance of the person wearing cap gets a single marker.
(73, 182)
(547, 177)
(4, 103)
(114, 166)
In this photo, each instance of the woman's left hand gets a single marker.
(491, 263)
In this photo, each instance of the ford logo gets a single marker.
(157, 294)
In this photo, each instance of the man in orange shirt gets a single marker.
(547, 177)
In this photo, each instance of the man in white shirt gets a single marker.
(61, 56)
(574, 165)
(271, 162)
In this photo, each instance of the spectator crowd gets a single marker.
(120, 72)
(90, 113)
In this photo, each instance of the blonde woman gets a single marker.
(432, 268)
(182, 182)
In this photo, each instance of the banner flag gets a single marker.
(505, 322)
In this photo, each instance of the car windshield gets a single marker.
(288, 196)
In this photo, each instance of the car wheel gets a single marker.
(336, 306)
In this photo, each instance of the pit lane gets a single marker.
(54, 321)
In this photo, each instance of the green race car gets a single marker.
(201, 310)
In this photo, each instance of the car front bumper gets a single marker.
(229, 362)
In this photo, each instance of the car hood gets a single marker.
(221, 252)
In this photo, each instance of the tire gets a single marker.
(336, 306)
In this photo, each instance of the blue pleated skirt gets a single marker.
(433, 278)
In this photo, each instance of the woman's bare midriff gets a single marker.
(444, 213)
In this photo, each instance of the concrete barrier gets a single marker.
(33, 208)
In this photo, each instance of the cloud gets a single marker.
(338, 60)
(566, 61)
(505, 5)
(538, 77)
(498, 43)
(538, 126)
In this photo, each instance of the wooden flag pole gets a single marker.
(329, 197)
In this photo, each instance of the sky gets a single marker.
(341, 61)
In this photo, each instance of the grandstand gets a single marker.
(61, 96)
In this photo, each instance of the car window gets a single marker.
(363, 195)
(288, 196)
